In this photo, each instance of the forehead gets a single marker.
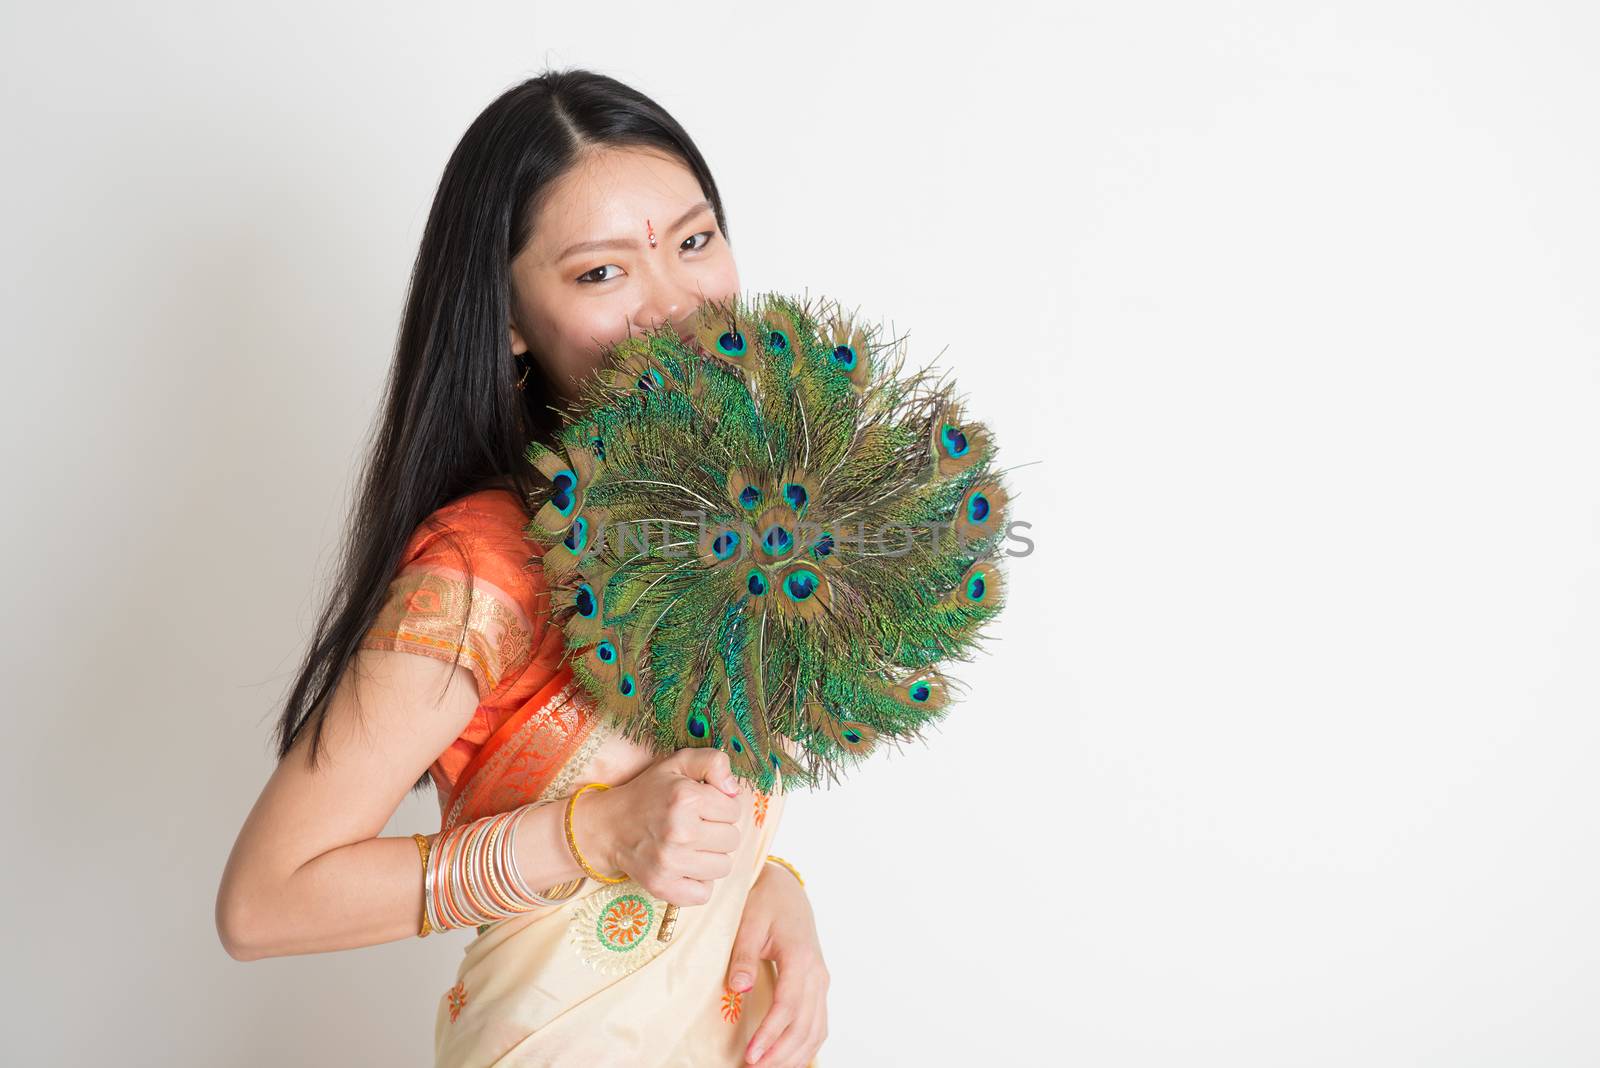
(610, 192)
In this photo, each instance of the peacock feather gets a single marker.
(770, 538)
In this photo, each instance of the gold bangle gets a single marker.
(786, 864)
(424, 843)
(572, 840)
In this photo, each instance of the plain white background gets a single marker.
(1283, 753)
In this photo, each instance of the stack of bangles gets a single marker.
(470, 875)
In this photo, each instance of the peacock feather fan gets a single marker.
(769, 538)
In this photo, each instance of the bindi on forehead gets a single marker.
(595, 246)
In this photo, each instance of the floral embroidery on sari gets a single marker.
(615, 928)
(761, 808)
(732, 1003)
(458, 1000)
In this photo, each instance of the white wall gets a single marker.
(1284, 755)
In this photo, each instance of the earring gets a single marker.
(525, 371)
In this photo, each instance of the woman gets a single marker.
(573, 212)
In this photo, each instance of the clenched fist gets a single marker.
(672, 827)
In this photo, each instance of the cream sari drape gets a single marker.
(587, 984)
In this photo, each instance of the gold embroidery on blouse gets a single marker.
(423, 614)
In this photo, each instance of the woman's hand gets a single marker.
(778, 925)
(672, 827)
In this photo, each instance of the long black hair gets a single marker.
(453, 420)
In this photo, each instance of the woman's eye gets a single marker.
(585, 276)
(704, 239)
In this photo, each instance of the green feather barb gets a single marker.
(768, 538)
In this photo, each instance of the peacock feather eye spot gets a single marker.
(955, 441)
(578, 536)
(975, 586)
(562, 496)
(751, 397)
(776, 540)
(800, 585)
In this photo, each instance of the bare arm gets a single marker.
(308, 873)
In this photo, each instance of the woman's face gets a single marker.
(589, 276)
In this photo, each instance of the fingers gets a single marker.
(703, 865)
(746, 957)
(687, 892)
(743, 962)
(709, 766)
(690, 828)
(797, 1023)
(718, 807)
(797, 1003)
(717, 837)
(799, 1042)
(795, 1049)
(762, 1049)
(693, 808)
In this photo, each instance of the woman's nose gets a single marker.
(663, 314)
(670, 303)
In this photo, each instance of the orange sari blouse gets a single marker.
(515, 654)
